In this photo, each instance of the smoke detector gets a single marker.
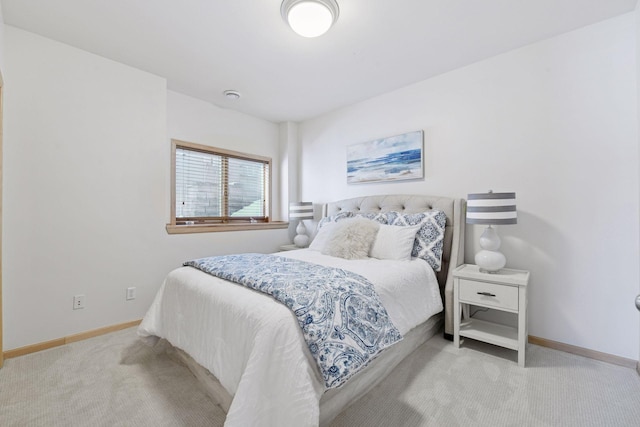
(231, 94)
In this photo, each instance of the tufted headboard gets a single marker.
(453, 251)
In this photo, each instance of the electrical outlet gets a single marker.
(131, 293)
(78, 302)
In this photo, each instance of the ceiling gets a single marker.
(203, 47)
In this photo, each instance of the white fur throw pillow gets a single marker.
(351, 238)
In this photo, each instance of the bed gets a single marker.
(249, 351)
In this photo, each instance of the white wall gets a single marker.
(86, 187)
(1, 39)
(290, 164)
(1, 74)
(637, 17)
(556, 122)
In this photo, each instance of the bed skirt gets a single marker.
(334, 401)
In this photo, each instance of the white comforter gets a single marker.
(253, 344)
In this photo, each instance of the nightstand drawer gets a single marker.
(489, 294)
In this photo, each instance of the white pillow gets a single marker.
(351, 238)
(322, 236)
(394, 242)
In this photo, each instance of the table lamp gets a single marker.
(491, 209)
(301, 211)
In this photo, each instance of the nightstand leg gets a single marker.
(522, 328)
(521, 352)
(456, 316)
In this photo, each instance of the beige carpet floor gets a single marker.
(114, 380)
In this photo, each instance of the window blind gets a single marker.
(214, 187)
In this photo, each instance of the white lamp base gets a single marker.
(490, 259)
(301, 240)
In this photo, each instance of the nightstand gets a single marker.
(505, 290)
(288, 248)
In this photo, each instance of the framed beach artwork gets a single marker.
(393, 158)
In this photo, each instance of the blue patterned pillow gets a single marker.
(379, 217)
(391, 216)
(334, 218)
(429, 240)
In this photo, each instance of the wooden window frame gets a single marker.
(227, 224)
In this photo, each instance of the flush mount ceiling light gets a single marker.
(231, 94)
(310, 18)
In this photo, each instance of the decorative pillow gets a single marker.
(393, 242)
(380, 217)
(351, 238)
(391, 216)
(429, 239)
(334, 218)
(322, 236)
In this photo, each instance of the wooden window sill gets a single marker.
(213, 228)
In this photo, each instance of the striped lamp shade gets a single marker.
(492, 208)
(301, 210)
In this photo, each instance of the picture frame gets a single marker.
(394, 158)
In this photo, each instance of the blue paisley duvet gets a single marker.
(342, 319)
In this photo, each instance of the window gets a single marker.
(219, 189)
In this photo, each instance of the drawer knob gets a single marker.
(487, 294)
